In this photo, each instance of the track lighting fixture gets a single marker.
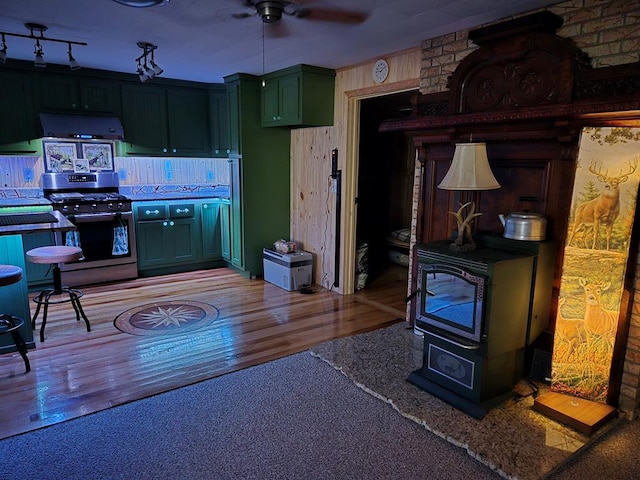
(38, 51)
(146, 63)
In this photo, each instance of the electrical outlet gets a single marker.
(122, 174)
(27, 174)
(210, 176)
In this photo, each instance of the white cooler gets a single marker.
(287, 270)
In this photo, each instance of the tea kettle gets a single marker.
(524, 226)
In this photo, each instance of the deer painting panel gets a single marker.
(595, 258)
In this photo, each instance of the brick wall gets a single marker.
(609, 32)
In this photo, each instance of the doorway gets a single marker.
(383, 203)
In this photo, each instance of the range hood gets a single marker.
(81, 127)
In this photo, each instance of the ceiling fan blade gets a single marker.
(331, 15)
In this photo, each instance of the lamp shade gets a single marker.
(469, 169)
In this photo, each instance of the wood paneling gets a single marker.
(75, 372)
(313, 204)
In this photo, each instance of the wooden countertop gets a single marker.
(62, 225)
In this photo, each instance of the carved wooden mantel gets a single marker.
(526, 93)
(524, 72)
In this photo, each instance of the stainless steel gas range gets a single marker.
(104, 221)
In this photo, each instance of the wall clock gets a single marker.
(380, 71)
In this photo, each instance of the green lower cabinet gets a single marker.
(225, 229)
(177, 236)
(167, 242)
(37, 274)
(211, 236)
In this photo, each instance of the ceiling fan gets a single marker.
(271, 11)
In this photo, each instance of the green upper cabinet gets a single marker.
(19, 124)
(220, 129)
(81, 94)
(298, 96)
(166, 121)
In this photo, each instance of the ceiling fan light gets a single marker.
(142, 3)
(270, 12)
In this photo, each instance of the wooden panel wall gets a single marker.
(313, 205)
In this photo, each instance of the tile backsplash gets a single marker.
(24, 172)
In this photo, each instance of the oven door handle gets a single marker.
(93, 217)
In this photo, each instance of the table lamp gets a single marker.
(469, 171)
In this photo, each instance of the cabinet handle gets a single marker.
(171, 223)
(457, 344)
(86, 107)
(164, 224)
(73, 105)
(164, 150)
(182, 210)
(205, 205)
(174, 150)
(152, 212)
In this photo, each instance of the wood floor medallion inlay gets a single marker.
(166, 318)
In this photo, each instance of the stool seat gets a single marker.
(54, 254)
(9, 274)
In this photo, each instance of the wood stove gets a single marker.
(473, 309)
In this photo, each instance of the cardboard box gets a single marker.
(287, 270)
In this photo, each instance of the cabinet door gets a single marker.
(18, 120)
(183, 234)
(188, 116)
(220, 133)
(289, 100)
(153, 249)
(270, 103)
(98, 96)
(61, 92)
(233, 103)
(144, 115)
(211, 236)
(225, 230)
(237, 247)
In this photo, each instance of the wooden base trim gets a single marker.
(582, 415)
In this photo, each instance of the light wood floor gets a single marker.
(76, 373)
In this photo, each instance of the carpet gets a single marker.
(166, 318)
(292, 418)
(512, 439)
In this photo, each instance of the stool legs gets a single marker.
(12, 324)
(44, 298)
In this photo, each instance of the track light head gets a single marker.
(73, 64)
(39, 59)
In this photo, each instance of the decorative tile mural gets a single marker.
(595, 258)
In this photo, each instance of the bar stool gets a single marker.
(10, 274)
(54, 256)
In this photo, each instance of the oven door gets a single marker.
(108, 246)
